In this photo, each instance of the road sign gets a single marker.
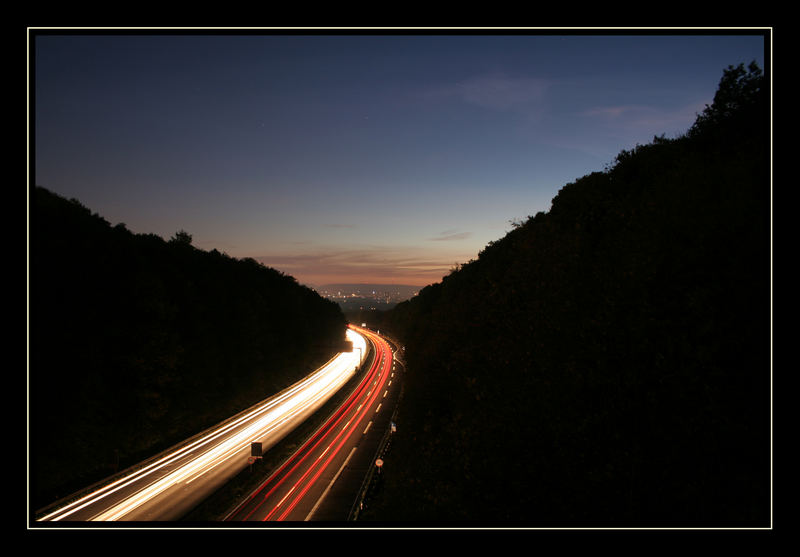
(255, 449)
(379, 463)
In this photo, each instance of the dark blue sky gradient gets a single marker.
(354, 158)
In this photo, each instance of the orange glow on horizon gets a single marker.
(322, 279)
(375, 265)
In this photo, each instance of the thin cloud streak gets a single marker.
(497, 92)
(500, 92)
(370, 264)
(450, 235)
(645, 118)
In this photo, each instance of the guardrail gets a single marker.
(372, 476)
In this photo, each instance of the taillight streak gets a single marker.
(282, 474)
(322, 468)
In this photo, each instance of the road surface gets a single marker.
(170, 485)
(321, 480)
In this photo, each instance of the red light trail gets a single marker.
(293, 483)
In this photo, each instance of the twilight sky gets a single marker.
(353, 158)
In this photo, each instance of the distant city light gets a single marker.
(367, 296)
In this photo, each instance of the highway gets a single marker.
(321, 480)
(167, 487)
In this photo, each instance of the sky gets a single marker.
(341, 156)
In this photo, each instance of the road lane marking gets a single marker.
(330, 485)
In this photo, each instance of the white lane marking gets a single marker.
(330, 485)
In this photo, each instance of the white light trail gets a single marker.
(231, 437)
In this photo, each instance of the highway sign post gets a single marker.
(255, 453)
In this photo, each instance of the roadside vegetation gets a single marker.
(137, 342)
(607, 363)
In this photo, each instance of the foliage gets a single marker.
(137, 343)
(182, 237)
(740, 98)
(606, 363)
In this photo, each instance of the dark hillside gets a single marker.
(607, 363)
(137, 343)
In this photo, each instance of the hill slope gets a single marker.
(606, 363)
(137, 343)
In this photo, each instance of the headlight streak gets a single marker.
(356, 403)
(265, 420)
(318, 393)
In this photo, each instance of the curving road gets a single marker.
(305, 487)
(169, 486)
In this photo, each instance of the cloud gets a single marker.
(366, 264)
(611, 111)
(645, 119)
(449, 235)
(498, 92)
(503, 93)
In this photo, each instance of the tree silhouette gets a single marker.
(182, 237)
(740, 95)
(606, 363)
(138, 343)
